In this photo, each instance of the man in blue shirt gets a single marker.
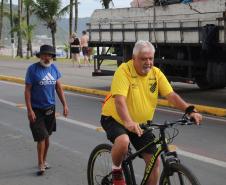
(42, 79)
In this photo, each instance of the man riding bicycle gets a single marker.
(134, 94)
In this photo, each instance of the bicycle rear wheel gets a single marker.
(177, 174)
(99, 170)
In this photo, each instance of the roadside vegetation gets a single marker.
(66, 60)
(48, 11)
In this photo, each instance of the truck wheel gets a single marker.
(202, 82)
(214, 78)
(219, 75)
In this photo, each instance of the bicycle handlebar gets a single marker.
(183, 121)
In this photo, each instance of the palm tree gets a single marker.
(70, 17)
(19, 46)
(1, 19)
(106, 3)
(27, 4)
(76, 16)
(50, 11)
(26, 32)
(11, 26)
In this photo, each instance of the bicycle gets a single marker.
(99, 171)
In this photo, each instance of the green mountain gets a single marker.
(41, 33)
(41, 30)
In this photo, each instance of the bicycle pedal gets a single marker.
(99, 129)
(172, 148)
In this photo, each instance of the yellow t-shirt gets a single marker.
(141, 92)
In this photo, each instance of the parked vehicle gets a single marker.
(190, 39)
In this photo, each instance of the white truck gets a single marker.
(190, 39)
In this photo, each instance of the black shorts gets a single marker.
(44, 124)
(75, 50)
(85, 51)
(114, 129)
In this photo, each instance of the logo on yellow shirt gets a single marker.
(153, 87)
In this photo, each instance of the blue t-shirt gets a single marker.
(43, 81)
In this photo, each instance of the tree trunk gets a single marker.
(76, 16)
(30, 47)
(106, 3)
(11, 27)
(11, 21)
(53, 32)
(28, 23)
(28, 56)
(1, 21)
(70, 20)
(19, 46)
(29, 43)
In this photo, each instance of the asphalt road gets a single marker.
(82, 77)
(201, 148)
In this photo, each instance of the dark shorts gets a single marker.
(45, 123)
(85, 51)
(114, 129)
(75, 50)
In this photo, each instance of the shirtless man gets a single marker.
(84, 46)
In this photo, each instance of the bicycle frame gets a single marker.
(161, 147)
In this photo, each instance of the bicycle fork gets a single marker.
(168, 159)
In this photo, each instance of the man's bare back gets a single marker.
(84, 45)
(84, 40)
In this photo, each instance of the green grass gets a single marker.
(33, 59)
(17, 59)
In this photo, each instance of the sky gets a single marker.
(86, 7)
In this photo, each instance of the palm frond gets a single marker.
(106, 3)
(63, 11)
(27, 3)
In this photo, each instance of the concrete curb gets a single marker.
(201, 108)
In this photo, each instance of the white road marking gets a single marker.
(101, 99)
(79, 123)
(202, 158)
(85, 96)
(8, 102)
(181, 152)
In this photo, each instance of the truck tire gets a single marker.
(202, 82)
(219, 75)
(214, 78)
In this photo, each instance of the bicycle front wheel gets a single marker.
(100, 166)
(178, 174)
